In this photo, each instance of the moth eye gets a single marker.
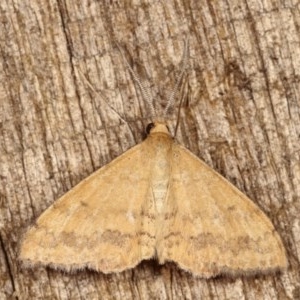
(149, 127)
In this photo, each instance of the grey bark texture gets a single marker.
(240, 114)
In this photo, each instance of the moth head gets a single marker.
(157, 127)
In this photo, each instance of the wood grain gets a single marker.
(240, 115)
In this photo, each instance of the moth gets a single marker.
(157, 200)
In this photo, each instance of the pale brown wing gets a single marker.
(99, 223)
(211, 227)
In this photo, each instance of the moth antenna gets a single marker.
(98, 94)
(175, 90)
(178, 117)
(145, 92)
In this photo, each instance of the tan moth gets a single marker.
(157, 200)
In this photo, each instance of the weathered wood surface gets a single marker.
(241, 115)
